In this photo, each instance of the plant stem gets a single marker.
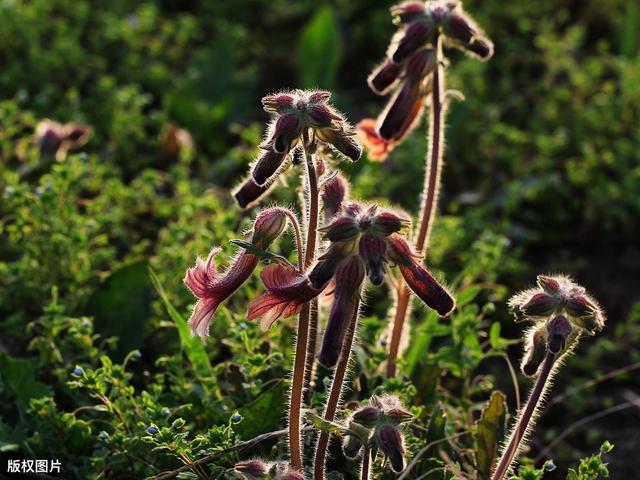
(311, 349)
(525, 421)
(366, 463)
(429, 202)
(300, 361)
(335, 393)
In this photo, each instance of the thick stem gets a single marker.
(429, 201)
(366, 463)
(526, 420)
(335, 394)
(300, 361)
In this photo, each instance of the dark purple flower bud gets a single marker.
(421, 64)
(481, 47)
(292, 476)
(367, 416)
(268, 226)
(280, 103)
(287, 129)
(459, 27)
(319, 96)
(341, 228)
(402, 112)
(585, 313)
(351, 446)
(408, 12)
(416, 35)
(548, 284)
(253, 469)
(321, 116)
(423, 284)
(249, 191)
(266, 166)
(49, 136)
(398, 415)
(390, 441)
(342, 140)
(384, 77)
(387, 222)
(559, 329)
(373, 249)
(540, 304)
(349, 277)
(535, 352)
(334, 192)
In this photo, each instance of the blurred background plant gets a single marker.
(542, 175)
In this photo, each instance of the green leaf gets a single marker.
(192, 346)
(18, 377)
(121, 307)
(319, 50)
(265, 413)
(467, 295)
(437, 424)
(259, 252)
(489, 433)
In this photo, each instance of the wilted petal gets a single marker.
(464, 34)
(384, 77)
(536, 349)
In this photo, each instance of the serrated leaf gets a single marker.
(192, 346)
(490, 430)
(319, 50)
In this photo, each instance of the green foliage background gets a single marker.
(542, 174)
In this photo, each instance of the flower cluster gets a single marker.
(212, 288)
(561, 310)
(300, 119)
(379, 423)
(362, 240)
(411, 60)
(257, 469)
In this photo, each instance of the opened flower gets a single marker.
(212, 288)
(411, 60)
(298, 116)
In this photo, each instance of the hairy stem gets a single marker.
(366, 463)
(311, 349)
(429, 202)
(335, 394)
(526, 420)
(300, 361)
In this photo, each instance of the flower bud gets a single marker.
(407, 12)
(403, 111)
(280, 103)
(398, 415)
(372, 251)
(319, 96)
(253, 469)
(540, 304)
(367, 416)
(292, 476)
(559, 329)
(342, 140)
(266, 166)
(321, 116)
(585, 313)
(481, 47)
(333, 194)
(268, 226)
(384, 77)
(548, 284)
(459, 27)
(535, 352)
(341, 229)
(286, 132)
(391, 443)
(416, 35)
(422, 63)
(248, 192)
(387, 222)
(351, 446)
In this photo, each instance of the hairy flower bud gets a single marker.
(368, 416)
(268, 226)
(334, 193)
(266, 166)
(559, 330)
(416, 35)
(541, 304)
(280, 103)
(349, 277)
(402, 113)
(398, 415)
(253, 469)
(287, 129)
(390, 441)
(342, 139)
(321, 116)
(407, 12)
(292, 476)
(341, 229)
(585, 312)
(372, 250)
(548, 284)
(248, 192)
(535, 351)
(384, 77)
(351, 446)
(387, 222)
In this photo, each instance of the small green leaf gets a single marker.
(18, 377)
(192, 346)
(319, 50)
(467, 295)
(489, 433)
(437, 424)
(264, 255)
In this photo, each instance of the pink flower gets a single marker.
(287, 291)
(378, 148)
(212, 289)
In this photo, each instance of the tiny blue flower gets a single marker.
(151, 430)
(137, 355)
(165, 412)
(383, 343)
(78, 371)
(242, 326)
(236, 417)
(86, 324)
(84, 156)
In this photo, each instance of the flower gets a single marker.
(212, 289)
(53, 138)
(253, 469)
(391, 443)
(409, 64)
(334, 192)
(297, 116)
(152, 430)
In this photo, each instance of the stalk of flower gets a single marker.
(211, 288)
(413, 68)
(562, 312)
(258, 469)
